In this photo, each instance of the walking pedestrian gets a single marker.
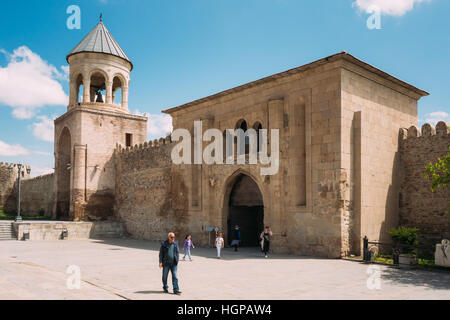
(220, 244)
(188, 244)
(168, 261)
(236, 238)
(265, 238)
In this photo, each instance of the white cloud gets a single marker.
(39, 171)
(158, 125)
(8, 150)
(434, 117)
(388, 7)
(44, 129)
(42, 153)
(28, 83)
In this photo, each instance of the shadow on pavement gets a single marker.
(423, 278)
(209, 253)
(151, 292)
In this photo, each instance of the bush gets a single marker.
(405, 238)
(41, 212)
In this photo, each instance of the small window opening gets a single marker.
(129, 139)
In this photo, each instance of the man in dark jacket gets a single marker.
(236, 238)
(168, 261)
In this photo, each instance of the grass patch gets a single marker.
(425, 262)
(9, 215)
(384, 258)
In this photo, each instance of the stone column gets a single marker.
(109, 95)
(125, 98)
(79, 182)
(87, 91)
(73, 93)
(276, 218)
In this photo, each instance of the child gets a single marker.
(188, 244)
(220, 243)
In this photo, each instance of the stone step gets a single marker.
(11, 236)
(7, 230)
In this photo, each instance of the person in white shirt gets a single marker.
(220, 243)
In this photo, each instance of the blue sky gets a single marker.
(187, 49)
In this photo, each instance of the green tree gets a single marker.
(439, 173)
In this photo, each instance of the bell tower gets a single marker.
(99, 70)
(97, 118)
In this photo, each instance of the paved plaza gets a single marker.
(128, 269)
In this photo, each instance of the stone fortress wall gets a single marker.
(8, 185)
(36, 193)
(151, 199)
(37, 196)
(419, 206)
(144, 201)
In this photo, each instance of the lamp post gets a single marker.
(19, 171)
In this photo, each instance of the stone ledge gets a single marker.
(52, 230)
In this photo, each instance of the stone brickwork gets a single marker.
(51, 231)
(338, 120)
(8, 185)
(373, 110)
(144, 201)
(419, 206)
(339, 176)
(37, 196)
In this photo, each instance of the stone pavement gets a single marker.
(128, 269)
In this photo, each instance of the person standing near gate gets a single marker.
(265, 237)
(236, 238)
(220, 243)
(168, 261)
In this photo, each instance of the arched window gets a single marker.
(257, 126)
(117, 91)
(98, 87)
(242, 124)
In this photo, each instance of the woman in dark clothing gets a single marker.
(265, 237)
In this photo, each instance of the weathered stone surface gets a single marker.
(419, 206)
(37, 196)
(45, 230)
(338, 177)
(8, 185)
(343, 169)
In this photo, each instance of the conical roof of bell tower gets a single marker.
(100, 40)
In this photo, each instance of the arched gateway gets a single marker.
(244, 206)
(63, 167)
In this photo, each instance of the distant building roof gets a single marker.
(100, 40)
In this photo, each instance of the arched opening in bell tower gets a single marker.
(79, 91)
(117, 91)
(98, 87)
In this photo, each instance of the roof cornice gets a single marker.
(339, 56)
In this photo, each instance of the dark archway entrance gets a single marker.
(246, 209)
(63, 168)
